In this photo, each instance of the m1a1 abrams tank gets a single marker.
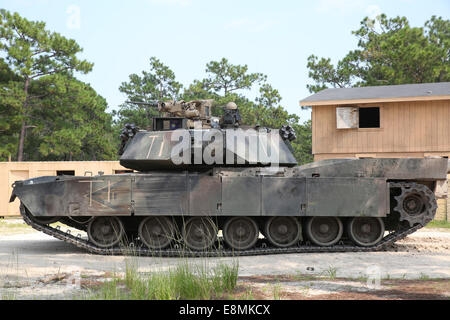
(209, 186)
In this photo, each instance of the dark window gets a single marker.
(369, 117)
(122, 171)
(164, 124)
(65, 173)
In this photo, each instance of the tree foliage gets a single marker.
(225, 78)
(389, 52)
(158, 84)
(47, 114)
(33, 52)
(226, 82)
(11, 103)
(40, 100)
(71, 122)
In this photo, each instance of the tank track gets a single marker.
(262, 247)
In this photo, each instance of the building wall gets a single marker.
(448, 208)
(442, 213)
(323, 156)
(12, 171)
(407, 130)
(405, 127)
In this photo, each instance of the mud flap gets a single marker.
(13, 197)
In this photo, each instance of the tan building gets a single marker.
(382, 122)
(12, 171)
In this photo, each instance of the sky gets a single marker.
(272, 37)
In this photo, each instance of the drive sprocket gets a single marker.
(416, 203)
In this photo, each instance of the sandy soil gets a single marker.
(290, 288)
(36, 266)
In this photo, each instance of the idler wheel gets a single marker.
(199, 233)
(156, 232)
(365, 231)
(38, 219)
(105, 232)
(45, 220)
(324, 231)
(283, 231)
(240, 233)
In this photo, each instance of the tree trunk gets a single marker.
(23, 128)
(21, 141)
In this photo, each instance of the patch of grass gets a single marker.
(228, 276)
(438, 224)
(303, 277)
(15, 226)
(110, 291)
(424, 277)
(305, 289)
(184, 281)
(8, 296)
(247, 295)
(331, 272)
(276, 291)
(362, 278)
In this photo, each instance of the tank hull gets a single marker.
(353, 200)
(193, 195)
(326, 188)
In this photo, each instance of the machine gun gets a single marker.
(191, 112)
(181, 114)
(196, 109)
(153, 104)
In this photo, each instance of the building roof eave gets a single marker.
(305, 103)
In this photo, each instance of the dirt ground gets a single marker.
(36, 266)
(325, 288)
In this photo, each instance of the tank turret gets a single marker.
(187, 137)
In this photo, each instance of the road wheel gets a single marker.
(240, 233)
(283, 231)
(199, 233)
(365, 231)
(156, 232)
(105, 232)
(324, 231)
